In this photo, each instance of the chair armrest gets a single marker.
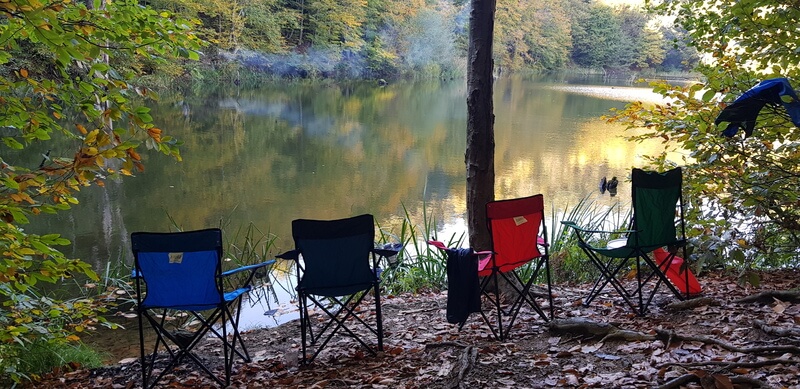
(291, 254)
(248, 267)
(581, 229)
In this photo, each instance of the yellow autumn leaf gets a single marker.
(92, 136)
(81, 129)
(23, 73)
(56, 115)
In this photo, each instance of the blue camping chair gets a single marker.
(337, 265)
(182, 272)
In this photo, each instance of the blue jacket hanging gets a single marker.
(745, 109)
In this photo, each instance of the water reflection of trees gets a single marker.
(326, 150)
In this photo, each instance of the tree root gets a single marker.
(670, 336)
(692, 303)
(769, 296)
(776, 331)
(609, 332)
(465, 363)
(703, 378)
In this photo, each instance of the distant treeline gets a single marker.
(428, 38)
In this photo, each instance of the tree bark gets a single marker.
(479, 156)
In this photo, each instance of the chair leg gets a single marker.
(304, 323)
(378, 316)
(143, 360)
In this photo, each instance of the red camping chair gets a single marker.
(519, 238)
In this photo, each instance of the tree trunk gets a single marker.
(479, 156)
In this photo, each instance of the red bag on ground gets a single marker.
(675, 274)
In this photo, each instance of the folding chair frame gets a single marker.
(637, 253)
(505, 209)
(208, 316)
(343, 307)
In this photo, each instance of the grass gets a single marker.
(567, 260)
(31, 360)
(421, 267)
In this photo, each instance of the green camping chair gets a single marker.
(657, 224)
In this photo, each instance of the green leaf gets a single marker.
(708, 95)
(12, 143)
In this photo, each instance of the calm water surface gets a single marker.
(330, 150)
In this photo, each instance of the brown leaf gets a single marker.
(722, 381)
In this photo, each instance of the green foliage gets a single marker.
(742, 191)
(418, 266)
(418, 38)
(568, 261)
(31, 360)
(336, 22)
(532, 34)
(65, 81)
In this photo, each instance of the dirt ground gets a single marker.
(721, 343)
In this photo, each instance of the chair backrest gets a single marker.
(336, 254)
(655, 197)
(515, 225)
(180, 268)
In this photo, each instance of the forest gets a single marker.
(388, 39)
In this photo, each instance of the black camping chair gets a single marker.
(337, 265)
(181, 272)
(657, 207)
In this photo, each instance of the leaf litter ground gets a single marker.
(723, 343)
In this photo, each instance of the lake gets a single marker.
(336, 149)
